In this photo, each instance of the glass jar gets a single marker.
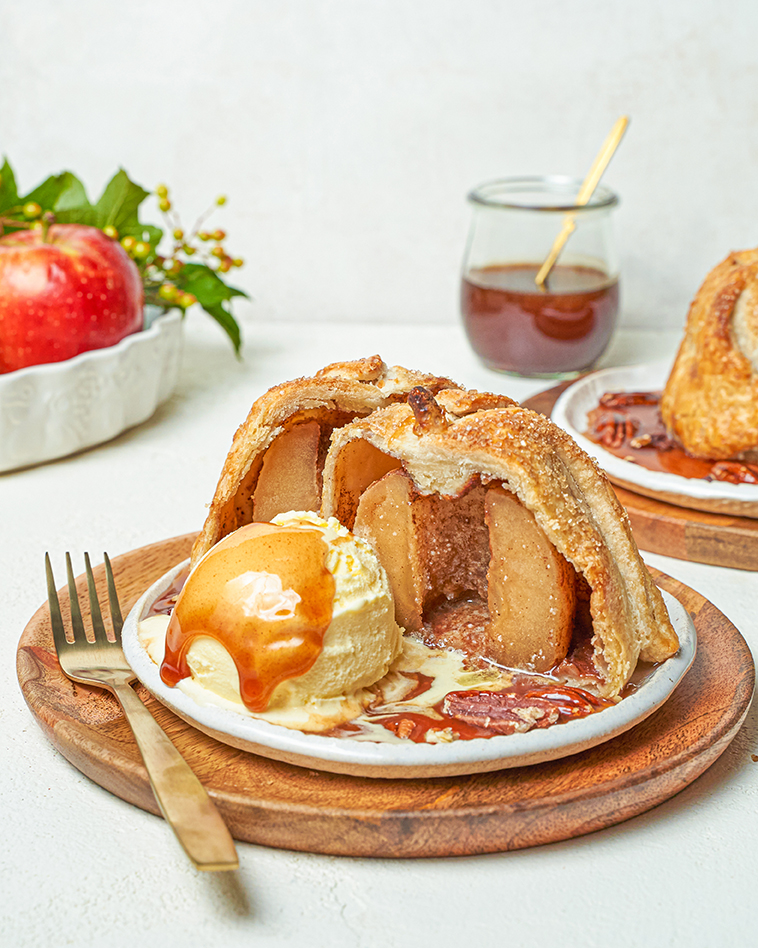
(514, 325)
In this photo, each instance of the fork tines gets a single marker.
(77, 623)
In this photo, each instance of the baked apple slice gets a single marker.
(473, 572)
(288, 478)
(385, 519)
(531, 588)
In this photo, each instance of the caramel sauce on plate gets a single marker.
(515, 327)
(470, 714)
(629, 425)
(268, 649)
(271, 622)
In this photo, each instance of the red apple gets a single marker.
(64, 292)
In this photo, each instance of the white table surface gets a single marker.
(82, 867)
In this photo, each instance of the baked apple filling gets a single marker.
(277, 456)
(286, 474)
(291, 467)
(500, 537)
(474, 572)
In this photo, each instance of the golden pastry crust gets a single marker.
(710, 402)
(333, 397)
(569, 496)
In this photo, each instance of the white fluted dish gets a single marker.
(52, 410)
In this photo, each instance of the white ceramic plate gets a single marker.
(49, 411)
(570, 413)
(410, 760)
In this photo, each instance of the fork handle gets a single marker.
(182, 799)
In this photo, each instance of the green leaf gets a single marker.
(227, 322)
(78, 215)
(119, 202)
(206, 285)
(72, 193)
(59, 192)
(8, 191)
(212, 293)
(142, 232)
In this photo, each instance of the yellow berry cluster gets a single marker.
(218, 255)
(162, 271)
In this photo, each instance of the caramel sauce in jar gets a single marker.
(515, 327)
(265, 594)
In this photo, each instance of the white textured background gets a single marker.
(347, 133)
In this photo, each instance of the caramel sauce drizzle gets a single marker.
(271, 621)
(565, 702)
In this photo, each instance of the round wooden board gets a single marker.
(276, 804)
(686, 534)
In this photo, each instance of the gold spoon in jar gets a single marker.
(585, 193)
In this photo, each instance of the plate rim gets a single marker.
(628, 474)
(374, 759)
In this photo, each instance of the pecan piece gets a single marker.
(405, 728)
(613, 429)
(428, 416)
(626, 399)
(658, 440)
(500, 711)
(734, 472)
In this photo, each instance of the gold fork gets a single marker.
(181, 797)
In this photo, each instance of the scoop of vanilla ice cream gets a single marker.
(363, 638)
(359, 645)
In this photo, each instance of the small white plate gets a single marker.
(411, 760)
(570, 413)
(52, 410)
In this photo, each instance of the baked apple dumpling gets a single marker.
(710, 402)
